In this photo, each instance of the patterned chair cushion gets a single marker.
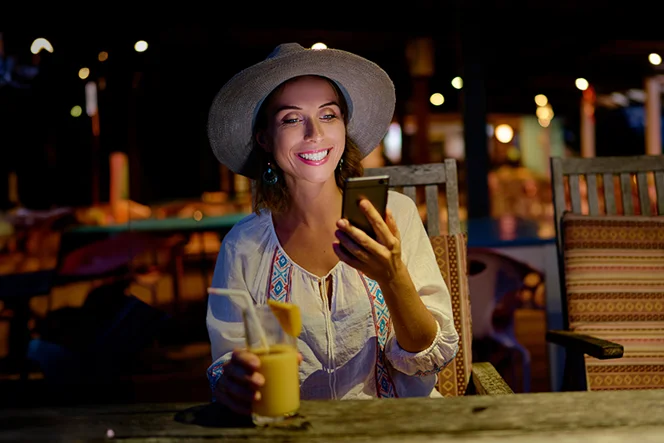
(450, 251)
(614, 277)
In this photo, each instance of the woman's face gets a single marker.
(306, 132)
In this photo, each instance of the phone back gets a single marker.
(373, 189)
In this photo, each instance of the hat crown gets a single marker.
(285, 49)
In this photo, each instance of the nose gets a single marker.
(314, 130)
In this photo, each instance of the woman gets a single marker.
(377, 317)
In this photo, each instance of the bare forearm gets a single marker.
(414, 326)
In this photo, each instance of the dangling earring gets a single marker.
(341, 163)
(269, 176)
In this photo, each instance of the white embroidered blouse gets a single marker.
(348, 346)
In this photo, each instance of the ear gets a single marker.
(262, 140)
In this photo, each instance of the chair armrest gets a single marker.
(586, 344)
(487, 381)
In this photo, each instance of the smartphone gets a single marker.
(372, 188)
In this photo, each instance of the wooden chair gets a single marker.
(608, 217)
(450, 251)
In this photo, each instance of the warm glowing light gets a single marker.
(393, 143)
(103, 56)
(655, 59)
(544, 112)
(141, 46)
(83, 73)
(319, 45)
(91, 98)
(76, 111)
(39, 44)
(541, 100)
(582, 84)
(504, 133)
(457, 83)
(198, 215)
(544, 123)
(437, 99)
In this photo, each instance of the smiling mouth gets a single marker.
(315, 156)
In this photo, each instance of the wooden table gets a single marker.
(586, 417)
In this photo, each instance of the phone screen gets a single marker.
(373, 189)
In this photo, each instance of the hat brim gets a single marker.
(367, 88)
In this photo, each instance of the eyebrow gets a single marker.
(285, 107)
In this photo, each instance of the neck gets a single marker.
(314, 205)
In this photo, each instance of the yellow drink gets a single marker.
(280, 395)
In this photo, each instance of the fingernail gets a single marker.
(255, 362)
(258, 378)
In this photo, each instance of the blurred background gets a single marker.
(113, 207)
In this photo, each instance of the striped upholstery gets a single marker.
(614, 276)
(450, 251)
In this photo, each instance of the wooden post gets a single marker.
(419, 53)
(653, 111)
(119, 186)
(588, 123)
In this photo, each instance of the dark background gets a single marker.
(155, 104)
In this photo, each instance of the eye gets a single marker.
(290, 119)
(329, 116)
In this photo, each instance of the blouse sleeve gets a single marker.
(418, 255)
(224, 318)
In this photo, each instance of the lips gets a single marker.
(316, 157)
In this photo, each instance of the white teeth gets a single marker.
(315, 157)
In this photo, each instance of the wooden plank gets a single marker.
(603, 165)
(586, 344)
(415, 175)
(534, 417)
(410, 191)
(559, 205)
(488, 381)
(626, 193)
(609, 194)
(659, 187)
(575, 193)
(433, 212)
(644, 197)
(452, 197)
(593, 201)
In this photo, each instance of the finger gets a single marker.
(392, 224)
(346, 257)
(380, 228)
(240, 394)
(239, 375)
(246, 359)
(351, 246)
(300, 358)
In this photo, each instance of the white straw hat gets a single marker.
(367, 88)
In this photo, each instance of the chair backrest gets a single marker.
(588, 194)
(408, 177)
(450, 252)
(607, 185)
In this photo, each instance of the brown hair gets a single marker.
(276, 197)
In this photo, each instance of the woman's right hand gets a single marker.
(239, 384)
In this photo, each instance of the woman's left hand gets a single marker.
(379, 259)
